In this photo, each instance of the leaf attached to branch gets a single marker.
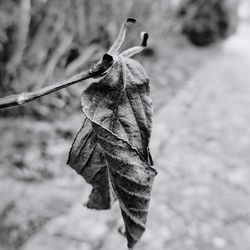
(111, 149)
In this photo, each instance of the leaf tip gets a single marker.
(85, 204)
(144, 37)
(122, 230)
(131, 20)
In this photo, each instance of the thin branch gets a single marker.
(98, 70)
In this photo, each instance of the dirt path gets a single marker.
(201, 198)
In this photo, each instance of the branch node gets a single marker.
(21, 99)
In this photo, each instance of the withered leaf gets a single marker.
(111, 149)
(87, 159)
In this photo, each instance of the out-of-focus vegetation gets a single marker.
(44, 41)
(208, 21)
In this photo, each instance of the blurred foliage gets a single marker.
(44, 41)
(206, 22)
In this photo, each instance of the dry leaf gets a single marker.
(111, 149)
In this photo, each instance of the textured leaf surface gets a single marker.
(111, 150)
(86, 158)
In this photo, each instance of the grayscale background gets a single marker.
(201, 134)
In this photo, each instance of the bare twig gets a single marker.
(96, 71)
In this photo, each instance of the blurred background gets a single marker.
(198, 60)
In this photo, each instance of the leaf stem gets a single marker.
(121, 36)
